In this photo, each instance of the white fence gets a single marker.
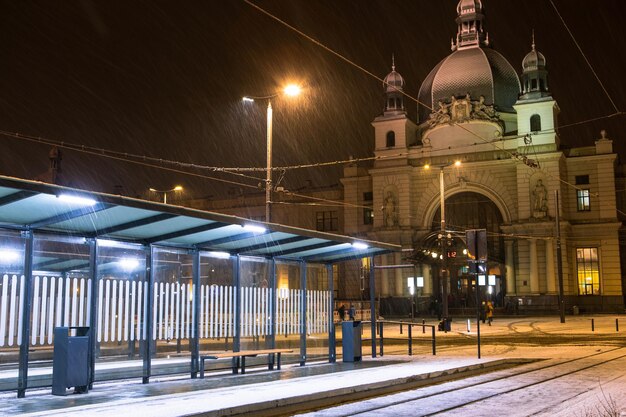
(11, 310)
(122, 308)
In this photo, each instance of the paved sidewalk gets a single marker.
(226, 394)
(242, 394)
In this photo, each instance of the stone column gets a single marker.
(384, 278)
(511, 288)
(570, 281)
(398, 273)
(550, 268)
(428, 280)
(534, 269)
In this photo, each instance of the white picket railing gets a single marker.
(122, 309)
(11, 310)
(318, 308)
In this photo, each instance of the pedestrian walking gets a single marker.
(489, 312)
(351, 312)
(342, 312)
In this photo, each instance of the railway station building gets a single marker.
(513, 178)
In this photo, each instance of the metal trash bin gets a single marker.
(70, 363)
(351, 341)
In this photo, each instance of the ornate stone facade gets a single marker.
(513, 172)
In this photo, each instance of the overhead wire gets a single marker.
(595, 74)
(119, 158)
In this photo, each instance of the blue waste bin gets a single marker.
(351, 341)
(70, 362)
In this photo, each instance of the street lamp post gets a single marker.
(290, 90)
(444, 238)
(164, 192)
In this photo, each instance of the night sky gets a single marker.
(163, 79)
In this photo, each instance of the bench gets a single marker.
(236, 356)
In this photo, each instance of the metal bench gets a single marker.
(241, 357)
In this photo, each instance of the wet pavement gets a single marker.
(299, 388)
(227, 394)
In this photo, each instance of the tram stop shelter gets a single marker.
(157, 285)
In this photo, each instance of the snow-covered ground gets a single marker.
(582, 393)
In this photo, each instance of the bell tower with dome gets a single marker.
(536, 110)
(393, 129)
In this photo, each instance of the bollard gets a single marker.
(469, 326)
(617, 325)
(400, 327)
(410, 340)
(593, 327)
(434, 345)
(423, 327)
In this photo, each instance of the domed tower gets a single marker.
(534, 75)
(393, 129)
(536, 110)
(474, 73)
(394, 87)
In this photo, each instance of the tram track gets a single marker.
(542, 381)
(471, 383)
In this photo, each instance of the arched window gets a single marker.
(391, 139)
(535, 123)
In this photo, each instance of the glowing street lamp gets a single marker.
(291, 90)
(164, 192)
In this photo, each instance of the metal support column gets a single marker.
(332, 341)
(25, 298)
(237, 285)
(303, 321)
(93, 316)
(195, 332)
(373, 305)
(147, 317)
(273, 298)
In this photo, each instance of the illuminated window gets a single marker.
(364, 274)
(588, 271)
(327, 221)
(582, 200)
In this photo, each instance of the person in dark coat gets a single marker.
(342, 312)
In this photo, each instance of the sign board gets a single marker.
(481, 280)
(410, 281)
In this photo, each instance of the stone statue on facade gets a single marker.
(441, 115)
(390, 207)
(540, 197)
(461, 110)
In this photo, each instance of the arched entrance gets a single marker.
(470, 210)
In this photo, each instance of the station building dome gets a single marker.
(473, 68)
